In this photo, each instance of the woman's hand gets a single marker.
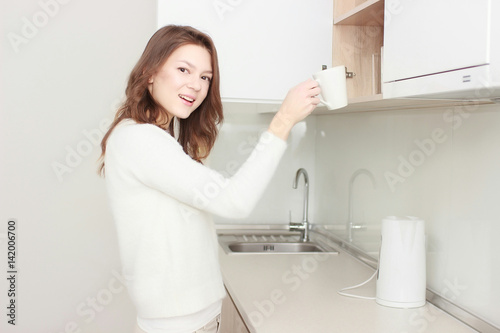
(300, 101)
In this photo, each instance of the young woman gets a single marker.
(161, 194)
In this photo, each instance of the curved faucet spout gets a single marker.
(303, 172)
(304, 226)
(350, 224)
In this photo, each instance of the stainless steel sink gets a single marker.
(270, 243)
(275, 247)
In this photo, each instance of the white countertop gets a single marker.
(290, 293)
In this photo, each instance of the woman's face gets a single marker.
(182, 83)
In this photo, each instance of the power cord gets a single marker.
(341, 291)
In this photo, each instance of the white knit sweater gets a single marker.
(162, 201)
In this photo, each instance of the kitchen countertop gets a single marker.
(290, 293)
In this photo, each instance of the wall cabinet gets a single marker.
(358, 41)
(455, 54)
(264, 46)
(267, 46)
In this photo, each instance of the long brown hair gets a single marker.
(198, 132)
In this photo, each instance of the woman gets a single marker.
(162, 196)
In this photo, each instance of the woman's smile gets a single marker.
(187, 99)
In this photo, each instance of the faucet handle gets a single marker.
(359, 226)
(293, 226)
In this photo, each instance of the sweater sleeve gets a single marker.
(155, 159)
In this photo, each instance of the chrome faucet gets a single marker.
(303, 227)
(350, 226)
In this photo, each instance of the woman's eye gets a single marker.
(183, 70)
(206, 78)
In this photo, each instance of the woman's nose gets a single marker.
(194, 83)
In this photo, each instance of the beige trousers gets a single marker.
(212, 327)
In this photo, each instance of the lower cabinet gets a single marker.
(231, 321)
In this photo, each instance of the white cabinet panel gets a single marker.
(427, 36)
(264, 46)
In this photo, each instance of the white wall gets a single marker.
(451, 180)
(64, 67)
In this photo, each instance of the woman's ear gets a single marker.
(150, 80)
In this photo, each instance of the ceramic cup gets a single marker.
(332, 82)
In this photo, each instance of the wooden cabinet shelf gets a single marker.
(358, 36)
(368, 13)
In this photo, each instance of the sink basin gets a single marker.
(275, 247)
(270, 242)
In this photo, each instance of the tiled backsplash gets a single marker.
(440, 165)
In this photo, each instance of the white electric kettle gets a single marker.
(401, 277)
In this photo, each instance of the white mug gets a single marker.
(332, 82)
